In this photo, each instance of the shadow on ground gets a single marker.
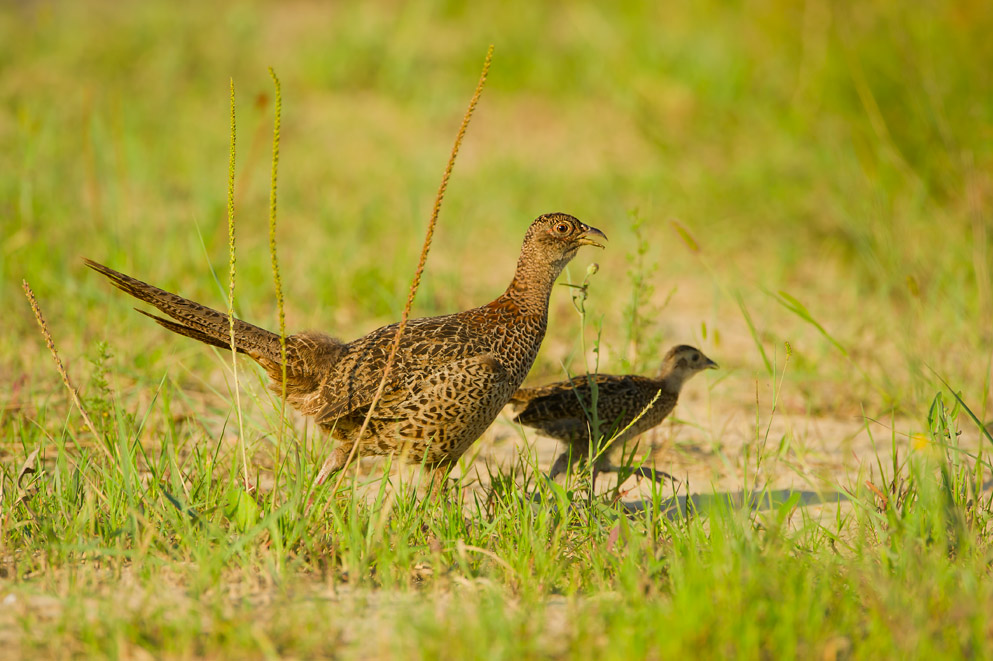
(701, 503)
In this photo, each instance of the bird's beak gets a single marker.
(710, 365)
(587, 237)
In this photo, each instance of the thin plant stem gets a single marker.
(272, 249)
(231, 273)
(417, 274)
(73, 393)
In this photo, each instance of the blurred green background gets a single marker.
(840, 152)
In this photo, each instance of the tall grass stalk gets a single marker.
(579, 295)
(73, 392)
(231, 274)
(277, 282)
(640, 312)
(415, 283)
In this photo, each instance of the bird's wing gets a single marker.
(561, 409)
(427, 345)
(568, 399)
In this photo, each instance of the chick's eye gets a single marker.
(696, 357)
(562, 228)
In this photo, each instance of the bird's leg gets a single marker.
(652, 474)
(561, 464)
(334, 463)
(438, 481)
(641, 471)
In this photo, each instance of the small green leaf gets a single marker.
(242, 510)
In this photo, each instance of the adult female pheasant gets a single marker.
(627, 405)
(452, 376)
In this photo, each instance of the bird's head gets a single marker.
(554, 239)
(683, 361)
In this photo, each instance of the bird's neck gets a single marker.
(672, 381)
(532, 285)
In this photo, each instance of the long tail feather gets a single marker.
(195, 320)
(189, 332)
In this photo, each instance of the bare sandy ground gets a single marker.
(718, 447)
(721, 453)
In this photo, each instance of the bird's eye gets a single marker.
(696, 357)
(562, 228)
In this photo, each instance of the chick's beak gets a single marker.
(710, 365)
(586, 238)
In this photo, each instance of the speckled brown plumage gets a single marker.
(559, 410)
(452, 376)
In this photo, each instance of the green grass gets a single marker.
(828, 168)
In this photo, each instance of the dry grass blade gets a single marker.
(879, 494)
(322, 475)
(73, 393)
(28, 467)
(684, 234)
